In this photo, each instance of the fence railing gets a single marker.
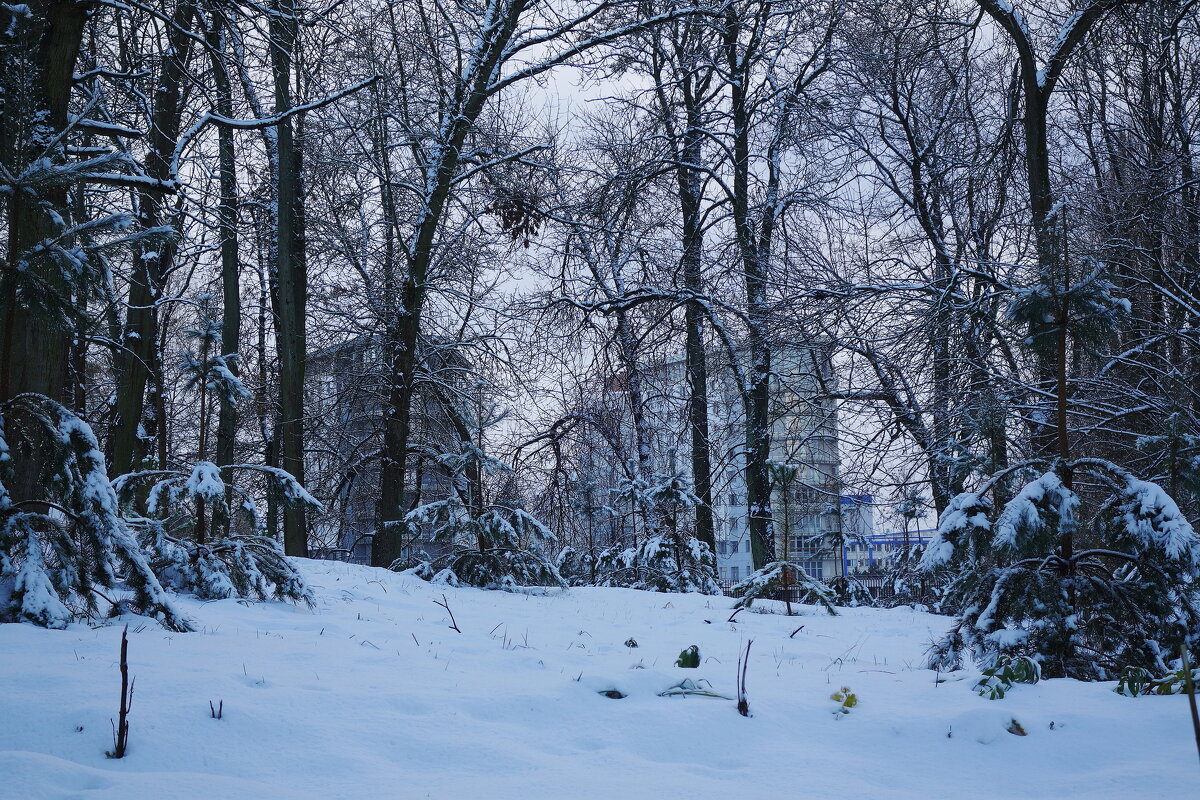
(877, 586)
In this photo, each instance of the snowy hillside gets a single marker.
(374, 695)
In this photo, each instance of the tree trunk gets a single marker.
(151, 263)
(690, 194)
(34, 355)
(291, 290)
(752, 250)
(497, 29)
(231, 290)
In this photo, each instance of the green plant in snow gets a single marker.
(996, 681)
(689, 658)
(845, 699)
(1137, 681)
(690, 688)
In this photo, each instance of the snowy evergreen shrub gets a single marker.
(495, 545)
(575, 567)
(659, 564)
(66, 550)
(910, 584)
(617, 566)
(204, 532)
(1082, 595)
(785, 575)
(415, 563)
(249, 566)
(846, 590)
(190, 555)
(669, 558)
(675, 564)
(502, 548)
(1177, 447)
(778, 575)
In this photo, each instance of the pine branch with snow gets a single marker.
(502, 548)
(780, 576)
(59, 550)
(244, 562)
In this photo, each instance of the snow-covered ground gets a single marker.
(373, 695)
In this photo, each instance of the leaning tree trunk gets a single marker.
(405, 329)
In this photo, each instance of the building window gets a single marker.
(733, 547)
(733, 574)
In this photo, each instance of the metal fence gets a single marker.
(878, 586)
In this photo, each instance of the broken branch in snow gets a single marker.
(446, 605)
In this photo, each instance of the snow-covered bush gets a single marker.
(660, 563)
(1084, 596)
(498, 549)
(667, 559)
(1177, 447)
(847, 590)
(911, 585)
(204, 532)
(675, 564)
(67, 549)
(576, 567)
(783, 576)
(617, 566)
(188, 554)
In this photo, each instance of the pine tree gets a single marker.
(1125, 597)
(670, 558)
(188, 525)
(495, 545)
(785, 575)
(61, 555)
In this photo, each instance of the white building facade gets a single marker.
(808, 518)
